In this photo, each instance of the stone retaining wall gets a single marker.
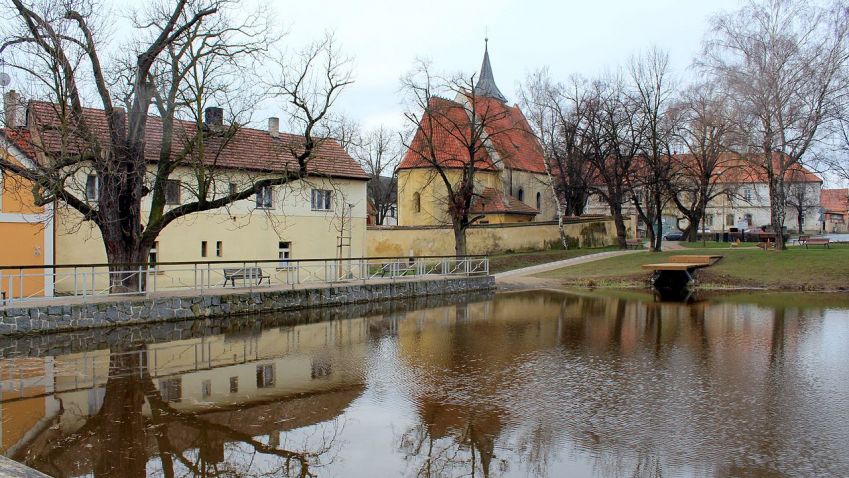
(54, 318)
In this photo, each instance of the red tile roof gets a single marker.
(21, 139)
(248, 149)
(505, 126)
(835, 201)
(493, 201)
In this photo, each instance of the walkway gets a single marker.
(524, 277)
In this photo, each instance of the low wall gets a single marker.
(488, 238)
(55, 318)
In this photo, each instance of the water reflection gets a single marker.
(525, 384)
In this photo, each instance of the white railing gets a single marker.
(27, 283)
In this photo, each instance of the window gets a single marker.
(219, 249)
(172, 191)
(539, 202)
(521, 195)
(92, 188)
(206, 388)
(171, 390)
(417, 202)
(232, 189)
(392, 211)
(284, 252)
(747, 194)
(234, 384)
(747, 218)
(203, 248)
(264, 198)
(320, 368)
(709, 220)
(265, 376)
(729, 220)
(152, 256)
(320, 200)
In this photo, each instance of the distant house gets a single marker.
(743, 201)
(835, 205)
(511, 184)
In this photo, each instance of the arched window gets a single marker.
(539, 202)
(417, 202)
(521, 195)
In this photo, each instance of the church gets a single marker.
(510, 180)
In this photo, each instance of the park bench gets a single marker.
(802, 240)
(245, 273)
(634, 243)
(817, 241)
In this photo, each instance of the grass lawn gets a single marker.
(517, 260)
(794, 269)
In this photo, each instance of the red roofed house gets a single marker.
(299, 220)
(510, 180)
(835, 205)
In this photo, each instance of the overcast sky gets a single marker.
(386, 36)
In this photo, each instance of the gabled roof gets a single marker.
(493, 201)
(835, 201)
(21, 139)
(446, 123)
(248, 149)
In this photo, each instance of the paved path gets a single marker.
(550, 266)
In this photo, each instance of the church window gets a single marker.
(417, 202)
(521, 195)
(539, 202)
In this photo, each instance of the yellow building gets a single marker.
(26, 233)
(510, 180)
(318, 217)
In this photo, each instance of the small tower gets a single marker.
(485, 85)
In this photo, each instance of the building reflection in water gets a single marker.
(525, 384)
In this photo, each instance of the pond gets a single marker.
(537, 383)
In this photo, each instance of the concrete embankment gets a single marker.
(57, 316)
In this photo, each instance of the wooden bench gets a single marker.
(802, 240)
(817, 241)
(246, 273)
(635, 243)
(707, 260)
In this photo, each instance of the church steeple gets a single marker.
(486, 82)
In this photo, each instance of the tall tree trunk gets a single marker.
(777, 210)
(621, 232)
(459, 240)
(658, 213)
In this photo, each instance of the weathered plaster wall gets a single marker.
(487, 239)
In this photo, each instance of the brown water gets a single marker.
(525, 384)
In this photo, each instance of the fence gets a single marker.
(23, 283)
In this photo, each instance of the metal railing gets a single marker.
(40, 282)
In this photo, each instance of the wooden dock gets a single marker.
(677, 275)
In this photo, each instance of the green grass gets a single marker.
(794, 269)
(517, 260)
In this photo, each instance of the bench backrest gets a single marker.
(818, 240)
(246, 272)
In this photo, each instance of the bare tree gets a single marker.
(653, 94)
(452, 139)
(611, 139)
(781, 62)
(705, 126)
(187, 55)
(378, 152)
(557, 113)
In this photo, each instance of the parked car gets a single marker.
(674, 235)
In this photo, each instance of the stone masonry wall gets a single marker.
(54, 318)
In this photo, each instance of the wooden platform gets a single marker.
(678, 275)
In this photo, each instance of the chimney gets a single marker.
(13, 109)
(213, 117)
(274, 127)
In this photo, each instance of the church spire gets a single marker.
(486, 82)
